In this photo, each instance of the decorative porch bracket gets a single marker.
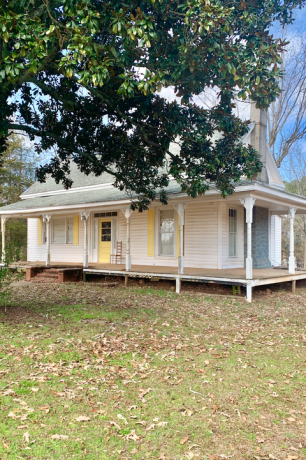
(248, 203)
(3, 221)
(128, 262)
(46, 220)
(180, 209)
(84, 217)
(292, 212)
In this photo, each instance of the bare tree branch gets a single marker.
(287, 115)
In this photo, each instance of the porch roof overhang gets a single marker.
(276, 200)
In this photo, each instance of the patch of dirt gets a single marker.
(16, 315)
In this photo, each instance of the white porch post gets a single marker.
(46, 220)
(128, 262)
(180, 209)
(292, 212)
(3, 220)
(84, 217)
(248, 203)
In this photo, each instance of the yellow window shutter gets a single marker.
(177, 237)
(76, 230)
(151, 214)
(39, 231)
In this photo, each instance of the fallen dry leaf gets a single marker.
(26, 437)
(82, 418)
(116, 425)
(122, 418)
(44, 408)
(190, 455)
(132, 435)
(184, 440)
(59, 436)
(151, 427)
(162, 424)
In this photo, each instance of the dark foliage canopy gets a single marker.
(68, 65)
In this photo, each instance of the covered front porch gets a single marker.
(212, 239)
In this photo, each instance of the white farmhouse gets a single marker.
(233, 241)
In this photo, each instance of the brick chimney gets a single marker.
(259, 139)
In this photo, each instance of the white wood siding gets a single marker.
(59, 252)
(35, 253)
(276, 240)
(205, 239)
(201, 235)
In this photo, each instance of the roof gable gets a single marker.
(80, 180)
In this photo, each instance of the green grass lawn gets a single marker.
(95, 372)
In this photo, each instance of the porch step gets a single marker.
(50, 270)
(48, 273)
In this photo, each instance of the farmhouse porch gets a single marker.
(200, 236)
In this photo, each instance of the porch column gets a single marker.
(248, 203)
(84, 217)
(46, 220)
(128, 262)
(3, 220)
(180, 209)
(292, 212)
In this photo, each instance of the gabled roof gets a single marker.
(79, 180)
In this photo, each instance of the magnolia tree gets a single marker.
(67, 66)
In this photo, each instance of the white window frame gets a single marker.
(66, 230)
(157, 233)
(234, 208)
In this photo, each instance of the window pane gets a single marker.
(167, 221)
(232, 245)
(70, 230)
(106, 231)
(166, 244)
(59, 231)
(166, 233)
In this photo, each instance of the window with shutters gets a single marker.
(62, 230)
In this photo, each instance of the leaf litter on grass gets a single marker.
(149, 369)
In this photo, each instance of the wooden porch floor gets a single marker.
(275, 274)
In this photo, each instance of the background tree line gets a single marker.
(17, 173)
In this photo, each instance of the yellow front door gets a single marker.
(105, 239)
